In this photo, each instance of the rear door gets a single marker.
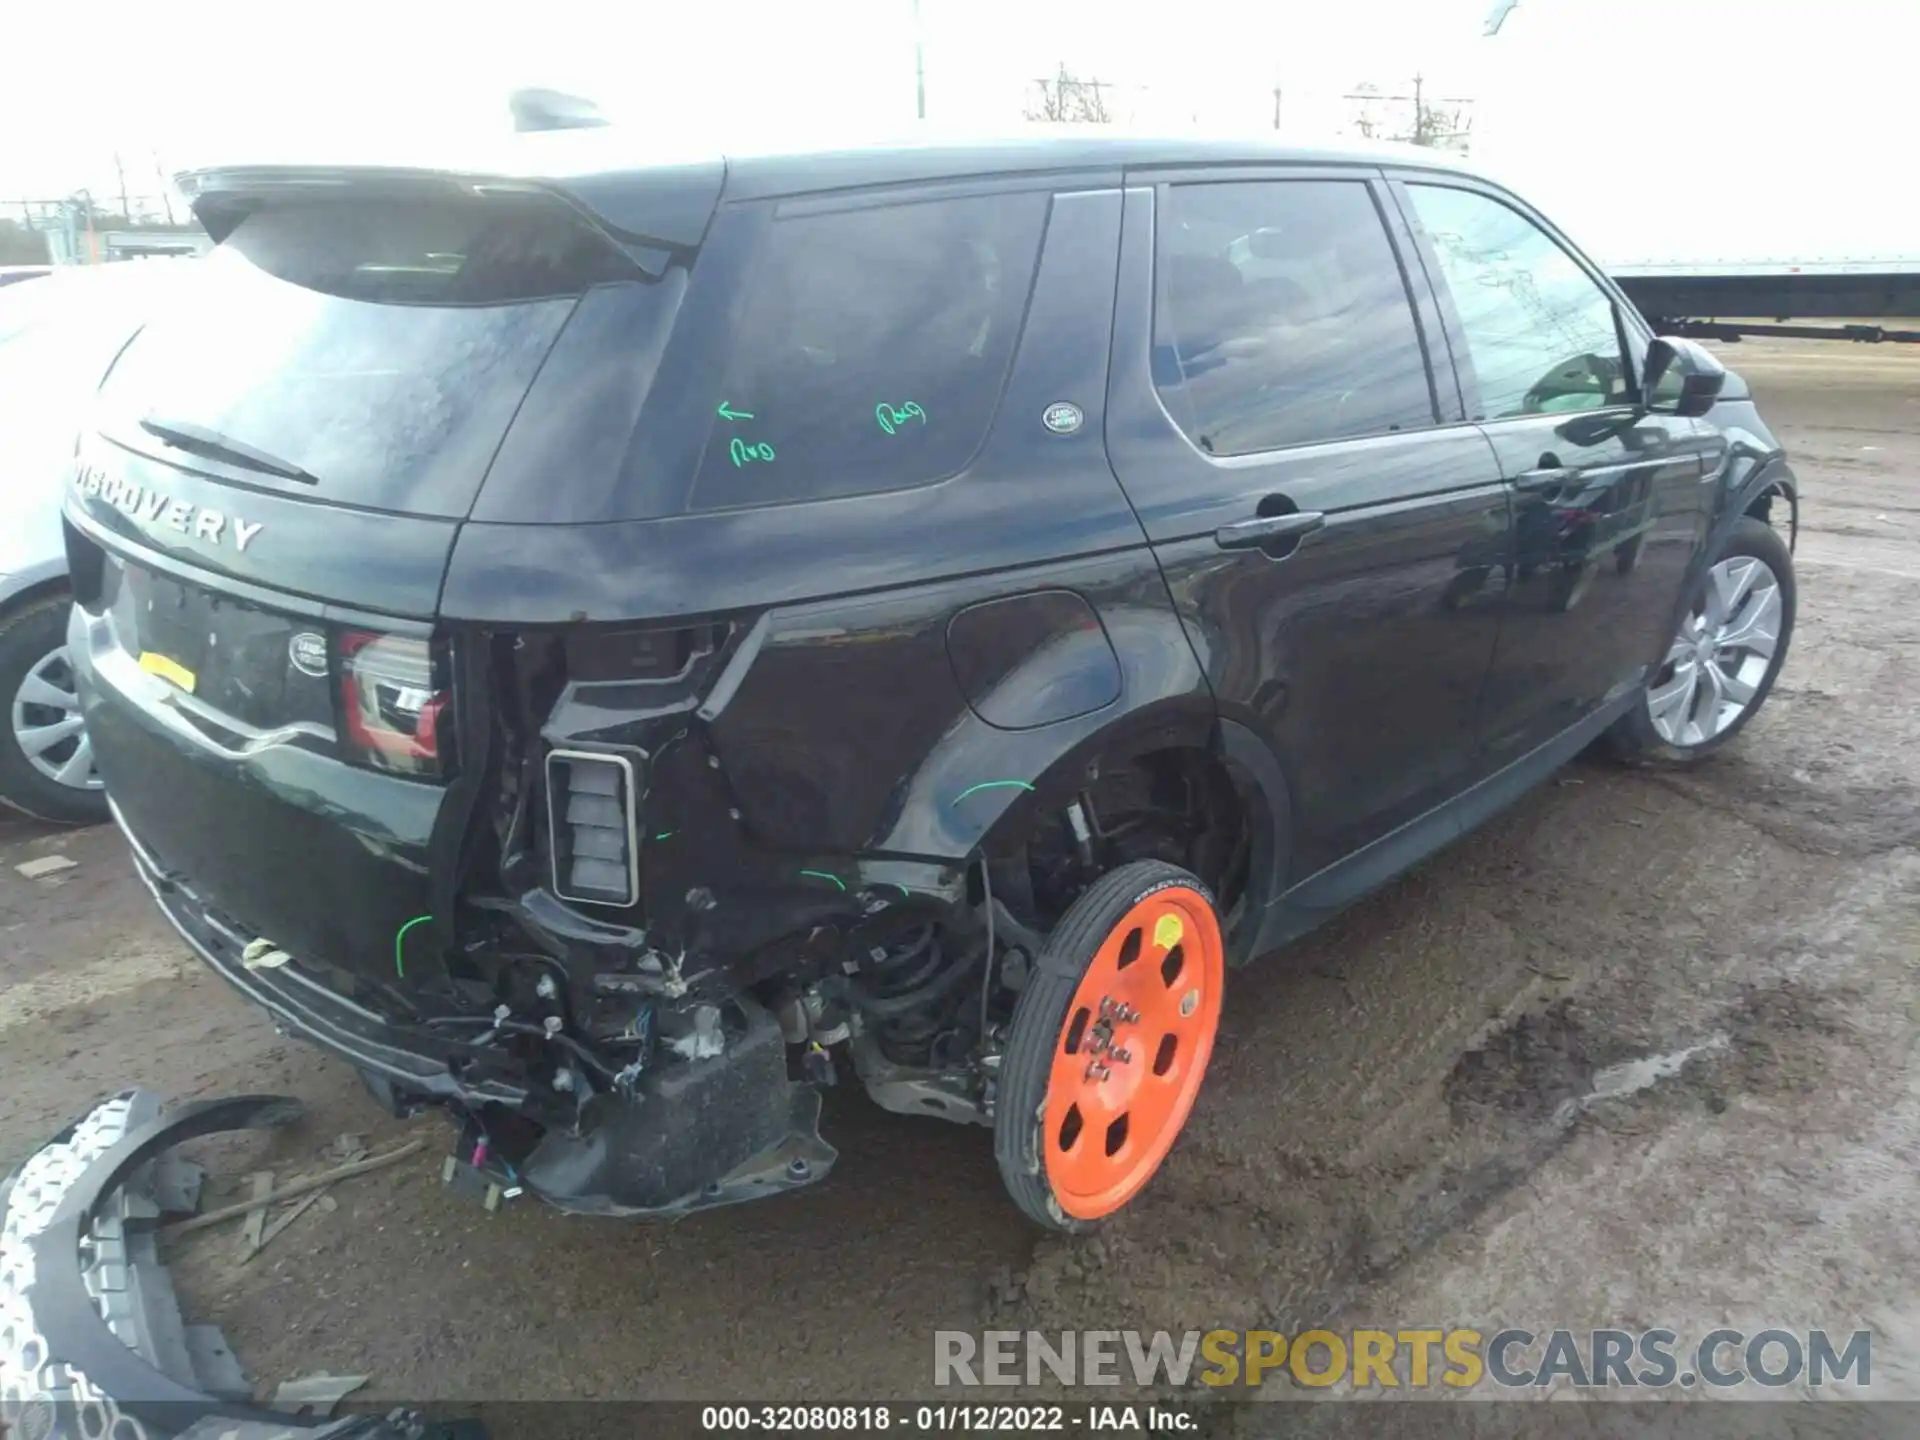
(1609, 505)
(1313, 496)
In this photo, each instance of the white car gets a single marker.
(58, 335)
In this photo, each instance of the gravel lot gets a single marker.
(1382, 1139)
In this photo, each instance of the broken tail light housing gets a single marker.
(592, 819)
(393, 701)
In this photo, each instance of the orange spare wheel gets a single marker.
(1110, 1044)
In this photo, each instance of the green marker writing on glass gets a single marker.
(727, 412)
(744, 454)
(892, 417)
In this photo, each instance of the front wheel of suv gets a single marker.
(1721, 665)
(46, 762)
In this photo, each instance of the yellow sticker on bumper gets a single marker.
(157, 664)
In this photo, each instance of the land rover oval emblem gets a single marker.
(308, 652)
(1062, 418)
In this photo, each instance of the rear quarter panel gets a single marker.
(836, 747)
(851, 733)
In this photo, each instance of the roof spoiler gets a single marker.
(553, 110)
(644, 210)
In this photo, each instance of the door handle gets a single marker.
(1548, 477)
(1248, 534)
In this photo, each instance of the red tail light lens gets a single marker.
(392, 701)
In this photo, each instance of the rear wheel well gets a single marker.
(1178, 803)
(932, 995)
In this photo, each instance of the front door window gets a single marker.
(1541, 336)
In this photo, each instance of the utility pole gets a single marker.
(919, 63)
(121, 171)
(166, 189)
(1276, 107)
(1425, 121)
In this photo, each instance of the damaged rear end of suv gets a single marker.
(609, 650)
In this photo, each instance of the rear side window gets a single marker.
(1281, 317)
(872, 350)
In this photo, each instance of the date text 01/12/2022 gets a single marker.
(943, 1419)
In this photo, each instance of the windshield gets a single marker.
(21, 306)
(378, 347)
(55, 344)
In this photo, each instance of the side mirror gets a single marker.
(1681, 377)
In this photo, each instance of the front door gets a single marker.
(1314, 499)
(1610, 501)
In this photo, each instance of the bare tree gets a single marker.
(20, 244)
(1412, 119)
(1065, 99)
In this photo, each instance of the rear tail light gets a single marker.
(590, 805)
(392, 702)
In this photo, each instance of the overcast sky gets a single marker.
(1603, 97)
(195, 82)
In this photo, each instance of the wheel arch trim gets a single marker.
(1773, 477)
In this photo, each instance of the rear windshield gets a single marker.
(379, 346)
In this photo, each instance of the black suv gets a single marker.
(607, 648)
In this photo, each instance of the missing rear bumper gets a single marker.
(411, 1060)
(683, 1136)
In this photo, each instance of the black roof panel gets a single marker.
(642, 188)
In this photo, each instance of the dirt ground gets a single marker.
(1398, 1128)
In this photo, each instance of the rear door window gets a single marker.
(381, 346)
(872, 350)
(1282, 318)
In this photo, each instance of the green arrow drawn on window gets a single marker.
(727, 412)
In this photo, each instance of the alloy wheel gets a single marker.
(1718, 661)
(47, 725)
